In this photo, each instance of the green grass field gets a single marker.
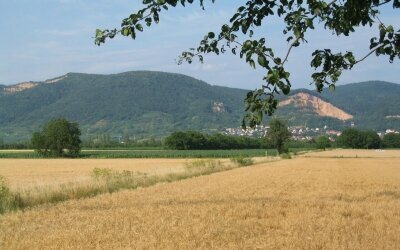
(149, 153)
(176, 153)
(104, 154)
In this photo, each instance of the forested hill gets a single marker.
(144, 104)
(138, 103)
(374, 104)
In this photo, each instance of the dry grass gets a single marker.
(303, 203)
(29, 173)
(106, 180)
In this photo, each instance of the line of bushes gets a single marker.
(191, 140)
(367, 139)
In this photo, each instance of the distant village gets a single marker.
(299, 133)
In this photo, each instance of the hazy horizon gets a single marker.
(309, 87)
(60, 40)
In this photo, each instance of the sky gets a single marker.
(43, 39)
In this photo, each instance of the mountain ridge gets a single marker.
(152, 103)
(140, 102)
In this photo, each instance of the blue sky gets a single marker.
(42, 39)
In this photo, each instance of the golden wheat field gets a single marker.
(355, 153)
(28, 173)
(303, 203)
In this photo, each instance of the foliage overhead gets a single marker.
(341, 17)
(57, 136)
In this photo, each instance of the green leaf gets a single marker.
(285, 89)
(139, 27)
(252, 64)
(262, 61)
(247, 45)
(99, 33)
(148, 21)
(309, 23)
(125, 31)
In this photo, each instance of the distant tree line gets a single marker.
(19, 145)
(391, 140)
(62, 138)
(367, 139)
(350, 138)
(195, 140)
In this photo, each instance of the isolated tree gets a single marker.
(351, 138)
(372, 140)
(58, 137)
(340, 17)
(354, 138)
(278, 134)
(39, 143)
(323, 142)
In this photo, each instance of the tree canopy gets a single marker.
(391, 140)
(341, 17)
(323, 142)
(190, 140)
(57, 136)
(355, 138)
(278, 134)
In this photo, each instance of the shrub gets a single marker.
(203, 165)
(4, 195)
(323, 142)
(242, 161)
(286, 156)
(8, 200)
(102, 173)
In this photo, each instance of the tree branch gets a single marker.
(369, 53)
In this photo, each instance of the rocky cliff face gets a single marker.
(28, 85)
(317, 105)
(19, 87)
(218, 107)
